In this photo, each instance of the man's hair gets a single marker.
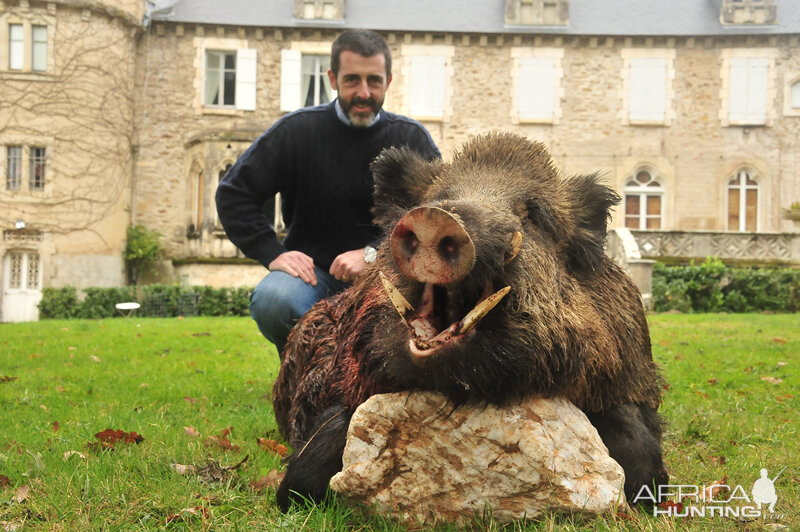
(365, 43)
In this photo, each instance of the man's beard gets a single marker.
(360, 119)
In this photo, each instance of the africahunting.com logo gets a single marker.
(717, 500)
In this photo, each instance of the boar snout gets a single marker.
(431, 246)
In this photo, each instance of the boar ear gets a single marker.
(591, 203)
(401, 179)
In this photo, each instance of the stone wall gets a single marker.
(694, 153)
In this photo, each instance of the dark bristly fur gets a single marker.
(572, 324)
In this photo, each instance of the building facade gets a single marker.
(690, 109)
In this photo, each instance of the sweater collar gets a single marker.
(343, 117)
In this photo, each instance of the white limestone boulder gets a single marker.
(414, 457)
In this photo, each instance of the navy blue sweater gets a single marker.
(321, 168)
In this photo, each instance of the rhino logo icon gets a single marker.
(764, 491)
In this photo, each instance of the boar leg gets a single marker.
(312, 465)
(632, 433)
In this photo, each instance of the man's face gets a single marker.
(361, 84)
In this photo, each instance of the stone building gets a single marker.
(689, 108)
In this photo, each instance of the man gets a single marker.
(318, 159)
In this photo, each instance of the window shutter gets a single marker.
(647, 95)
(737, 96)
(291, 73)
(427, 86)
(246, 66)
(757, 90)
(536, 88)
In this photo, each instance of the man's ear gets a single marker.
(401, 179)
(332, 78)
(590, 204)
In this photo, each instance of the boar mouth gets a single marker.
(425, 324)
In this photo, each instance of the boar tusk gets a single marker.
(482, 309)
(398, 301)
(516, 243)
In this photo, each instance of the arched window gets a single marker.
(643, 201)
(794, 96)
(196, 202)
(220, 175)
(743, 202)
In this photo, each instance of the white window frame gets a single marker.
(39, 48)
(291, 95)
(642, 191)
(545, 65)
(13, 168)
(16, 47)
(743, 188)
(246, 74)
(17, 59)
(642, 67)
(28, 146)
(753, 105)
(791, 95)
(427, 81)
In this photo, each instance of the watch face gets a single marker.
(370, 254)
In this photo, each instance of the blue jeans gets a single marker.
(280, 300)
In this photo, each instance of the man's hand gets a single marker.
(297, 264)
(349, 265)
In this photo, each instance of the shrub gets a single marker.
(100, 302)
(59, 303)
(142, 247)
(713, 287)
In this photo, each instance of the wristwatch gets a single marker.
(370, 254)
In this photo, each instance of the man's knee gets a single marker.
(278, 302)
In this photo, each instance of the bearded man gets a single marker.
(318, 159)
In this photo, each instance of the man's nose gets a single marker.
(363, 89)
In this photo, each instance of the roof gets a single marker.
(586, 17)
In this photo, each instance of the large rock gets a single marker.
(411, 455)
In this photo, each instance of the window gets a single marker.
(427, 76)
(319, 9)
(316, 86)
(748, 90)
(537, 89)
(794, 98)
(38, 158)
(39, 51)
(13, 167)
(647, 94)
(220, 175)
(16, 47)
(743, 202)
(643, 201)
(304, 79)
(543, 12)
(23, 269)
(230, 79)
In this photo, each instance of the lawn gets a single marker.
(197, 391)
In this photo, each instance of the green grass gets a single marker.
(158, 376)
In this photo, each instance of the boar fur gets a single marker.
(572, 324)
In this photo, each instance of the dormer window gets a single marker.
(319, 9)
(537, 12)
(749, 12)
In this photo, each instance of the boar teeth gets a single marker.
(482, 309)
(398, 301)
(516, 243)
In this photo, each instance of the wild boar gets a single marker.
(492, 286)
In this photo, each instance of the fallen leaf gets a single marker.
(22, 494)
(43, 407)
(68, 454)
(748, 369)
(273, 446)
(197, 510)
(34, 355)
(666, 505)
(782, 397)
(6, 378)
(713, 381)
(184, 469)
(11, 526)
(781, 364)
(94, 359)
(717, 488)
(190, 399)
(4, 481)
(779, 340)
(772, 380)
(270, 480)
(108, 438)
(144, 385)
(191, 431)
(72, 348)
(55, 426)
(202, 334)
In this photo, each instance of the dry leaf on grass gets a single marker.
(4, 481)
(270, 480)
(772, 380)
(68, 454)
(221, 441)
(22, 494)
(211, 472)
(183, 469)
(94, 359)
(197, 510)
(191, 431)
(717, 488)
(273, 446)
(108, 438)
(6, 378)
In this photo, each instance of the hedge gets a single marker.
(155, 300)
(714, 287)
